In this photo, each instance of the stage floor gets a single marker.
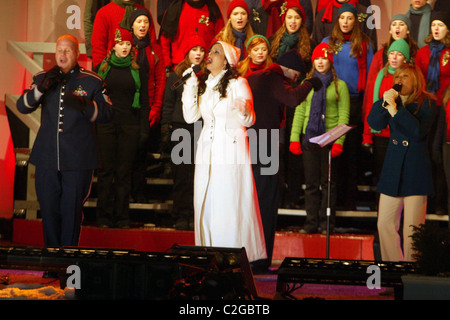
(29, 284)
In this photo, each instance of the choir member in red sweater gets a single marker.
(184, 19)
(108, 19)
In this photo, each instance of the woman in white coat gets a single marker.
(225, 200)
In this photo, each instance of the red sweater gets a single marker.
(423, 59)
(190, 21)
(386, 84)
(375, 66)
(156, 81)
(105, 24)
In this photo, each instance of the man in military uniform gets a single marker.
(72, 99)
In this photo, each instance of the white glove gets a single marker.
(192, 80)
(241, 105)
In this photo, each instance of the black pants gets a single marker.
(118, 145)
(291, 168)
(350, 160)
(316, 167)
(267, 190)
(138, 177)
(446, 165)
(61, 195)
(183, 178)
(266, 176)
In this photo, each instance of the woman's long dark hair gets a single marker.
(222, 86)
(303, 44)
(186, 64)
(357, 38)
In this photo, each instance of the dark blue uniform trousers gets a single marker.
(61, 195)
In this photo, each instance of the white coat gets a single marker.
(225, 200)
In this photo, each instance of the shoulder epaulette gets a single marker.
(39, 73)
(88, 72)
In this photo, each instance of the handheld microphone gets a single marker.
(397, 87)
(181, 81)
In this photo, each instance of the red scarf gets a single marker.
(274, 22)
(362, 64)
(328, 13)
(254, 67)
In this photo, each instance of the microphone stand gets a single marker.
(324, 140)
(329, 203)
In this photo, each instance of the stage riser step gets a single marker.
(287, 244)
(20, 206)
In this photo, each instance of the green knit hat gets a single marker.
(401, 46)
(402, 17)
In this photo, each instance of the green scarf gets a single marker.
(380, 76)
(376, 88)
(288, 42)
(124, 63)
(129, 8)
(425, 22)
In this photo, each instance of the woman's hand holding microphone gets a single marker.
(389, 102)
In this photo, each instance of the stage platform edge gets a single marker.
(287, 244)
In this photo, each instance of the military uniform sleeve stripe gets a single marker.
(94, 116)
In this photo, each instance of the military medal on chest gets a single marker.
(80, 91)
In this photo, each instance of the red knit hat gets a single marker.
(237, 3)
(194, 41)
(293, 4)
(122, 35)
(323, 50)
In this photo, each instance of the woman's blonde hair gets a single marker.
(420, 93)
(244, 65)
(226, 34)
(304, 40)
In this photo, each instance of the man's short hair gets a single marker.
(70, 38)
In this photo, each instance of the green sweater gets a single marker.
(337, 112)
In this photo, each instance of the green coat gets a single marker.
(336, 113)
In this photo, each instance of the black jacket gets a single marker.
(66, 138)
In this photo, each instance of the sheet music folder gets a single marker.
(332, 135)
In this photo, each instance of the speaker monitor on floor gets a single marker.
(344, 272)
(122, 280)
(232, 276)
(186, 272)
(137, 275)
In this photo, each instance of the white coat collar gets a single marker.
(213, 81)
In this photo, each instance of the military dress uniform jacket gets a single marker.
(407, 166)
(66, 138)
